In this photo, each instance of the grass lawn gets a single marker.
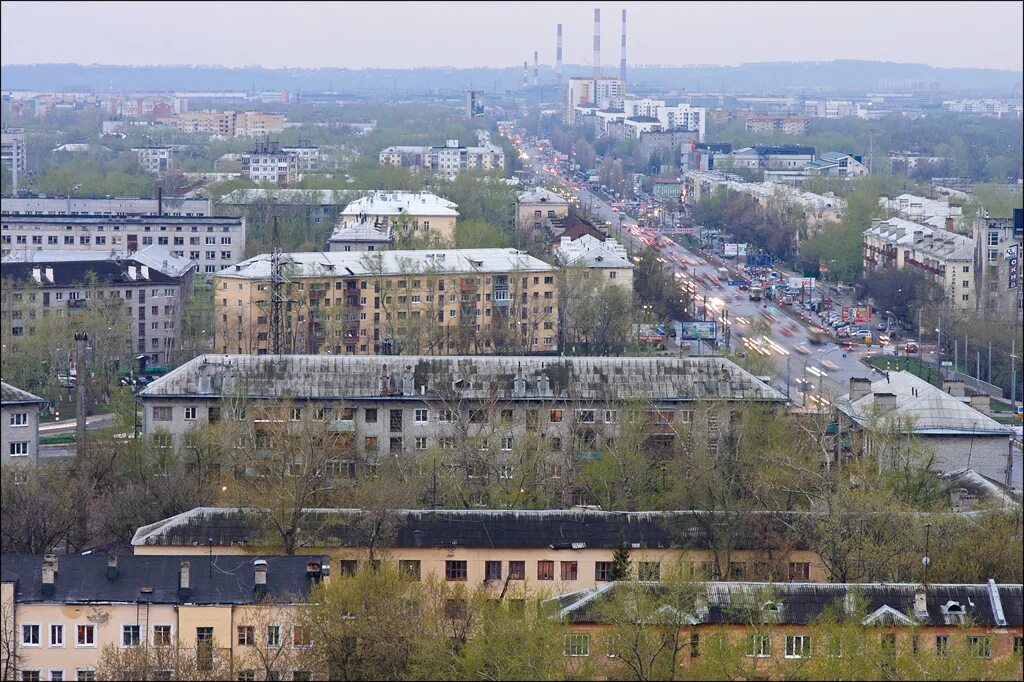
(925, 370)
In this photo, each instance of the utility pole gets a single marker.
(81, 338)
(275, 291)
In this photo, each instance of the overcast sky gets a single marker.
(413, 34)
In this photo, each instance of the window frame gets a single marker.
(804, 648)
(56, 627)
(81, 628)
(125, 629)
(577, 645)
(39, 635)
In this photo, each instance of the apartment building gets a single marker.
(387, 302)
(635, 126)
(152, 283)
(258, 124)
(40, 204)
(268, 162)
(789, 157)
(194, 613)
(155, 159)
(669, 144)
(307, 154)
(367, 235)
(526, 551)
(600, 93)
(779, 626)
(12, 150)
(422, 213)
(999, 248)
(787, 125)
(599, 257)
(935, 213)
(536, 206)
(19, 425)
(227, 123)
(449, 160)
(317, 206)
(114, 226)
(945, 257)
(836, 165)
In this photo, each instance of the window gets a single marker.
(246, 635)
(347, 567)
(204, 649)
(980, 647)
(455, 570)
(492, 570)
(86, 675)
(585, 416)
(409, 568)
(19, 419)
(129, 635)
(370, 442)
(162, 414)
(56, 635)
(799, 570)
(246, 676)
(421, 442)
(545, 570)
(517, 570)
(648, 570)
(942, 646)
(19, 448)
(30, 675)
(370, 415)
(555, 416)
(161, 635)
(611, 416)
(85, 635)
(445, 416)
(58, 676)
(798, 646)
(603, 570)
(570, 570)
(274, 635)
(759, 646)
(29, 635)
(190, 413)
(420, 416)
(301, 675)
(577, 644)
(301, 637)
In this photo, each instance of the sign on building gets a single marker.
(1013, 260)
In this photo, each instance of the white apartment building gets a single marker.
(449, 160)
(155, 159)
(425, 212)
(679, 116)
(602, 93)
(307, 155)
(19, 425)
(12, 149)
(110, 206)
(269, 163)
(931, 212)
(604, 258)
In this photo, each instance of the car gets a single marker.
(881, 326)
(911, 348)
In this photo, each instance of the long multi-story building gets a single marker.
(228, 123)
(19, 425)
(787, 125)
(155, 159)
(999, 249)
(385, 302)
(189, 614)
(932, 212)
(153, 285)
(449, 160)
(945, 257)
(33, 226)
(600, 93)
(12, 150)
(418, 213)
(268, 162)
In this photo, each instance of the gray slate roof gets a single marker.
(12, 395)
(805, 603)
(83, 578)
(326, 377)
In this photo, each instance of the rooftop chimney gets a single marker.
(885, 402)
(49, 573)
(920, 602)
(558, 55)
(622, 60)
(183, 581)
(112, 567)
(597, 43)
(536, 67)
(859, 387)
(954, 387)
(260, 576)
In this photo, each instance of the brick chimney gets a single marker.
(859, 387)
(112, 567)
(885, 401)
(954, 387)
(49, 573)
(259, 576)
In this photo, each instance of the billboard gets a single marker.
(1012, 260)
(801, 283)
(856, 313)
(729, 250)
(697, 331)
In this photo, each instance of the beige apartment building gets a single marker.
(415, 214)
(946, 257)
(999, 251)
(227, 123)
(387, 302)
(537, 206)
(192, 613)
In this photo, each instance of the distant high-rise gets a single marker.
(597, 43)
(526, 74)
(558, 56)
(536, 68)
(622, 61)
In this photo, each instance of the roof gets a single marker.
(359, 264)
(12, 395)
(538, 195)
(933, 411)
(82, 579)
(401, 203)
(366, 231)
(936, 243)
(318, 197)
(482, 377)
(131, 219)
(72, 267)
(479, 528)
(575, 226)
(985, 604)
(981, 487)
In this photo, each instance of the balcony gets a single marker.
(502, 297)
(341, 426)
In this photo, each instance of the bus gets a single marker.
(723, 274)
(755, 293)
(816, 335)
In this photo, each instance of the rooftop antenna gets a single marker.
(276, 300)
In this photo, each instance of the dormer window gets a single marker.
(954, 612)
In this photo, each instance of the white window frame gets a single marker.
(19, 448)
(804, 650)
(19, 419)
(85, 646)
(577, 644)
(59, 671)
(190, 413)
(421, 411)
(79, 671)
(170, 632)
(39, 635)
(56, 627)
(277, 628)
(124, 631)
(760, 645)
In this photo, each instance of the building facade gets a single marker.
(536, 206)
(443, 302)
(999, 249)
(152, 284)
(945, 257)
(416, 213)
(19, 425)
(155, 159)
(595, 257)
(787, 125)
(106, 206)
(268, 162)
(601, 93)
(369, 235)
(12, 150)
(449, 160)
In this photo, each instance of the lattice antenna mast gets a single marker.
(276, 299)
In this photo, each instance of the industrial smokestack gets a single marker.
(536, 68)
(558, 55)
(622, 61)
(597, 43)
(526, 74)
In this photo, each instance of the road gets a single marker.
(798, 363)
(97, 421)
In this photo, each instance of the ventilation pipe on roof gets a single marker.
(49, 573)
(920, 602)
(259, 577)
(112, 567)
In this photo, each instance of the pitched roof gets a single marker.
(483, 528)
(426, 378)
(318, 197)
(805, 603)
(361, 231)
(213, 579)
(932, 411)
(538, 195)
(937, 243)
(402, 203)
(72, 267)
(12, 395)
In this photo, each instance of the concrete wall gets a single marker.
(28, 433)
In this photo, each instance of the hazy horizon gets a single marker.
(437, 34)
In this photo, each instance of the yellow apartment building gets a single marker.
(410, 214)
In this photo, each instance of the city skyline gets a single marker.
(355, 35)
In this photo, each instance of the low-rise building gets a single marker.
(537, 206)
(366, 235)
(931, 212)
(316, 206)
(155, 159)
(787, 125)
(153, 285)
(945, 257)
(19, 425)
(268, 162)
(878, 419)
(194, 613)
(104, 206)
(12, 150)
(836, 165)
(448, 301)
(419, 213)
(771, 158)
(999, 250)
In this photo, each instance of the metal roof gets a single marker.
(401, 203)
(12, 395)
